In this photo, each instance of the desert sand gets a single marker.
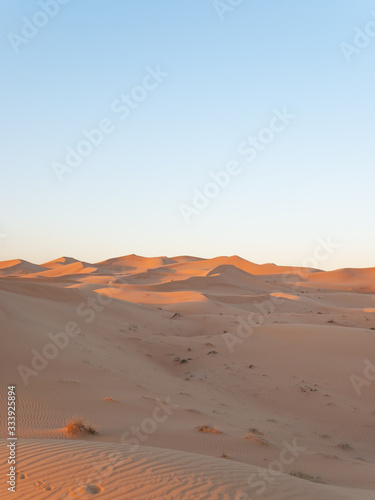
(203, 379)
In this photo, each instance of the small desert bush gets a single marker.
(345, 446)
(208, 429)
(255, 436)
(307, 477)
(76, 427)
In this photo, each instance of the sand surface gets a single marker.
(204, 378)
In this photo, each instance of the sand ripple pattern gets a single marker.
(55, 469)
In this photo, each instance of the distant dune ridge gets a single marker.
(277, 363)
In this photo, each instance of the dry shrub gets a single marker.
(255, 436)
(76, 427)
(345, 446)
(208, 429)
(306, 477)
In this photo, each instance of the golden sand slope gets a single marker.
(261, 357)
(64, 470)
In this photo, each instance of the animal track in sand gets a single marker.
(85, 491)
(43, 485)
(20, 475)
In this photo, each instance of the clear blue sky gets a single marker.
(225, 79)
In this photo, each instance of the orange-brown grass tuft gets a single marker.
(256, 436)
(208, 429)
(76, 427)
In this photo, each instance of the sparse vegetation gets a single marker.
(208, 429)
(224, 455)
(256, 436)
(345, 446)
(307, 477)
(181, 360)
(254, 430)
(76, 427)
(307, 388)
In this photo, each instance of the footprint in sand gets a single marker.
(43, 485)
(85, 491)
(20, 475)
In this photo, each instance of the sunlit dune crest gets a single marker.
(285, 296)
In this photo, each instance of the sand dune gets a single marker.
(260, 358)
(116, 472)
(136, 263)
(61, 261)
(349, 279)
(18, 267)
